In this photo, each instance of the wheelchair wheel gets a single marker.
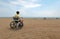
(20, 25)
(13, 24)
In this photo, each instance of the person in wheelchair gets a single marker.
(16, 18)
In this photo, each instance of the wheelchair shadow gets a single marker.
(19, 28)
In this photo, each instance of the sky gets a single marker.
(30, 8)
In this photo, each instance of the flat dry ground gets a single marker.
(33, 29)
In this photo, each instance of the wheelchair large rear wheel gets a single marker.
(13, 24)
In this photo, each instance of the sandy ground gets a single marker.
(32, 29)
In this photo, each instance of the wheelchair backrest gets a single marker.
(15, 18)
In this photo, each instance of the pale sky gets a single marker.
(30, 8)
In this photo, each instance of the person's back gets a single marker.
(16, 17)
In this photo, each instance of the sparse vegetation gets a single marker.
(57, 18)
(44, 18)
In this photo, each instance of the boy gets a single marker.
(17, 18)
(17, 14)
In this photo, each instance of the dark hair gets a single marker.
(17, 12)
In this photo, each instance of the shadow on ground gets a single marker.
(16, 28)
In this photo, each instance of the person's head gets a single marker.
(17, 12)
